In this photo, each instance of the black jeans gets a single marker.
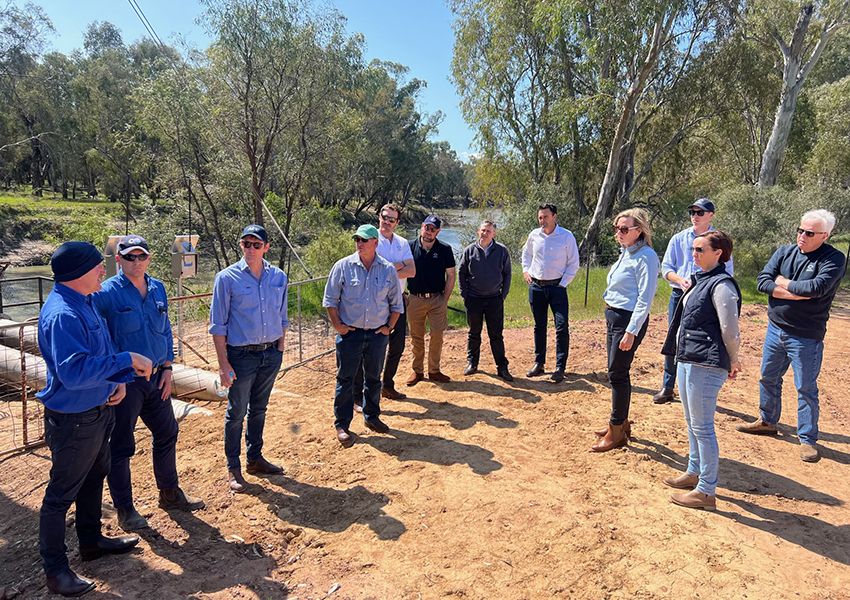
(79, 447)
(491, 310)
(620, 362)
(143, 399)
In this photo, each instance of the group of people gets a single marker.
(109, 348)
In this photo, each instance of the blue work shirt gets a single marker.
(248, 310)
(632, 282)
(136, 324)
(679, 259)
(82, 366)
(363, 298)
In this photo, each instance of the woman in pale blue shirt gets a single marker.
(632, 282)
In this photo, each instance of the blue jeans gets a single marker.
(782, 349)
(143, 399)
(255, 374)
(79, 449)
(358, 347)
(698, 388)
(669, 380)
(541, 299)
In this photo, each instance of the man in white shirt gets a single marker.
(549, 263)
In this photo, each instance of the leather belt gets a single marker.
(546, 281)
(426, 296)
(256, 347)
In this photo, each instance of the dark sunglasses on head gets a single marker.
(698, 213)
(625, 230)
(801, 231)
(135, 257)
(389, 219)
(256, 245)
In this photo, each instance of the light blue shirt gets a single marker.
(632, 282)
(553, 256)
(248, 310)
(364, 298)
(679, 259)
(136, 324)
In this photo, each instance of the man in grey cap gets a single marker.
(248, 322)
(135, 307)
(677, 268)
(430, 290)
(364, 302)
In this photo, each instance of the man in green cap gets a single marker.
(364, 301)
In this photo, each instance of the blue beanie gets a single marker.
(72, 260)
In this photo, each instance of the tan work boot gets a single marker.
(615, 438)
(682, 482)
(695, 499)
(809, 452)
(758, 427)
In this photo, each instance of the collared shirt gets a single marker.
(679, 259)
(431, 267)
(249, 310)
(553, 256)
(82, 366)
(364, 298)
(397, 250)
(488, 249)
(482, 274)
(136, 324)
(632, 282)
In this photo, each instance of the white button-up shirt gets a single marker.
(553, 256)
(397, 250)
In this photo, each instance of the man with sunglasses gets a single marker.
(677, 268)
(801, 281)
(135, 307)
(430, 290)
(248, 322)
(363, 299)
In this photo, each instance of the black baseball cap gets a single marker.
(703, 204)
(257, 231)
(132, 242)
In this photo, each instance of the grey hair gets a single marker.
(490, 223)
(826, 218)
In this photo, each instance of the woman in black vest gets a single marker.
(703, 337)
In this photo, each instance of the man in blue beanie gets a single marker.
(85, 379)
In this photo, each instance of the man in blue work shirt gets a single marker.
(135, 307)
(677, 268)
(248, 322)
(85, 379)
(364, 302)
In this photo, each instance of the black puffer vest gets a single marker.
(699, 338)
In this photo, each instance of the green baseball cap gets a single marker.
(366, 232)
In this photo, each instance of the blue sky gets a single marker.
(415, 34)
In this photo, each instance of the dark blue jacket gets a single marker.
(699, 340)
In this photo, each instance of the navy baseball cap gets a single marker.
(257, 231)
(703, 204)
(432, 220)
(132, 242)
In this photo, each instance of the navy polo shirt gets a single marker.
(431, 267)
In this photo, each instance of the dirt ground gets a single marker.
(483, 489)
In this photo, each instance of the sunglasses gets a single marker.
(256, 245)
(389, 219)
(809, 233)
(430, 228)
(624, 230)
(698, 213)
(135, 257)
(360, 240)
(698, 250)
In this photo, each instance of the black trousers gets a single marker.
(79, 448)
(491, 310)
(620, 362)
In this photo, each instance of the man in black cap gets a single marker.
(430, 290)
(135, 307)
(85, 379)
(248, 322)
(677, 268)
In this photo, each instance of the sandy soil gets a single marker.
(483, 490)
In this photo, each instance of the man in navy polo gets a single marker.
(430, 290)
(248, 322)
(85, 380)
(677, 268)
(363, 299)
(135, 307)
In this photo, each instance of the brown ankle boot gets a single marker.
(614, 438)
(627, 429)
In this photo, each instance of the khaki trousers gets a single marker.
(435, 310)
